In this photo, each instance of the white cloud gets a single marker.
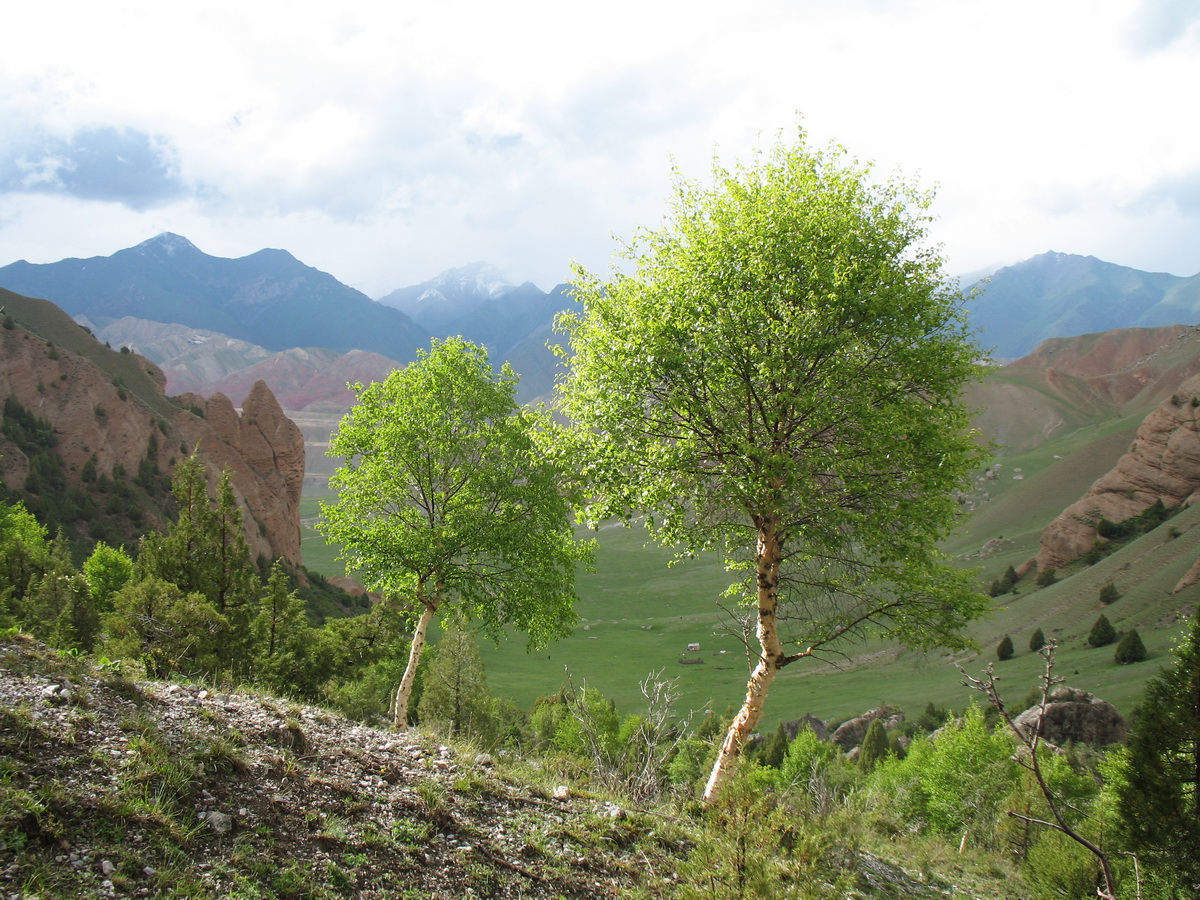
(385, 142)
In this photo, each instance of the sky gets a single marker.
(386, 142)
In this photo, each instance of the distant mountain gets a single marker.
(268, 298)
(204, 362)
(1063, 295)
(478, 302)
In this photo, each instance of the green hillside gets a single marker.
(50, 323)
(1054, 434)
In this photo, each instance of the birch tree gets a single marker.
(444, 503)
(776, 373)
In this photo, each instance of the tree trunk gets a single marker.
(404, 691)
(770, 552)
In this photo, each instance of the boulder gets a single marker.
(1075, 716)
(850, 734)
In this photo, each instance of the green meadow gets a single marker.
(638, 612)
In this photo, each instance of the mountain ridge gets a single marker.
(268, 298)
(1064, 295)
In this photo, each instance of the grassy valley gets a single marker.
(639, 613)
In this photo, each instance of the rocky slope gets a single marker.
(116, 787)
(1162, 464)
(108, 413)
(1070, 383)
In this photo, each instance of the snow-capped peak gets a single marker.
(474, 278)
(168, 243)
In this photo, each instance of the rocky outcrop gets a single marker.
(1074, 716)
(1162, 464)
(264, 452)
(850, 734)
(807, 722)
(98, 418)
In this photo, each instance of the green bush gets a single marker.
(1102, 633)
(1004, 650)
(1047, 577)
(1131, 649)
(874, 746)
(957, 782)
(1037, 641)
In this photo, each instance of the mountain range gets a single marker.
(1063, 295)
(240, 311)
(268, 298)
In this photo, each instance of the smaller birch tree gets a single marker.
(444, 503)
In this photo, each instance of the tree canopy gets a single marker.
(1160, 797)
(778, 376)
(445, 502)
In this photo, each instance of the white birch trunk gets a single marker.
(404, 691)
(770, 656)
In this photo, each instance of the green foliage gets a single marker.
(286, 653)
(169, 631)
(1109, 594)
(1160, 794)
(774, 748)
(1147, 520)
(932, 718)
(954, 783)
(1005, 583)
(874, 746)
(1046, 577)
(445, 504)
(1102, 633)
(771, 379)
(24, 550)
(1004, 650)
(444, 497)
(204, 552)
(107, 569)
(1130, 649)
(1037, 641)
(456, 695)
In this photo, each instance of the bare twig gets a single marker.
(1030, 741)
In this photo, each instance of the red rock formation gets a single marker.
(264, 452)
(1163, 463)
(95, 418)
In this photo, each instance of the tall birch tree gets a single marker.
(776, 373)
(444, 503)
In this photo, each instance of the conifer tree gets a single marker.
(1102, 633)
(456, 693)
(169, 631)
(1131, 649)
(281, 634)
(1004, 650)
(774, 748)
(1037, 641)
(1160, 797)
(205, 552)
(874, 746)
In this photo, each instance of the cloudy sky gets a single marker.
(386, 142)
